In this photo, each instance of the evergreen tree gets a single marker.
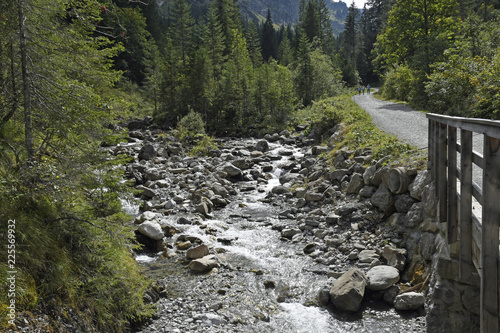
(285, 53)
(181, 28)
(253, 42)
(269, 46)
(350, 47)
(304, 71)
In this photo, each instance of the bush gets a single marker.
(190, 125)
(399, 84)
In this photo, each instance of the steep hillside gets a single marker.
(282, 11)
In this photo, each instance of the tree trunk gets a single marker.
(28, 126)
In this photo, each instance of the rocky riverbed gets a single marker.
(262, 236)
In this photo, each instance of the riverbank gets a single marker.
(281, 227)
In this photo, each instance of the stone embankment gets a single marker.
(367, 227)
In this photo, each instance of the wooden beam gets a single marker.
(452, 186)
(441, 172)
(465, 250)
(490, 235)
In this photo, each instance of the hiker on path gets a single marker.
(359, 90)
(368, 88)
(363, 90)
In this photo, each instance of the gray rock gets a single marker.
(339, 174)
(151, 229)
(368, 174)
(382, 277)
(383, 199)
(348, 290)
(367, 256)
(426, 245)
(146, 191)
(356, 184)
(243, 163)
(147, 152)
(280, 189)
(416, 188)
(395, 257)
(409, 301)
(197, 252)
(288, 177)
(367, 191)
(262, 146)
(204, 264)
(231, 170)
(403, 203)
(313, 196)
(289, 233)
(390, 294)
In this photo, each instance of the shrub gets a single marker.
(399, 83)
(190, 125)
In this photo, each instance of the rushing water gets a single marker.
(268, 278)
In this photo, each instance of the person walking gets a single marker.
(368, 88)
(359, 90)
(363, 90)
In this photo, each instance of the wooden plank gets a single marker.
(452, 186)
(435, 158)
(489, 127)
(465, 224)
(441, 173)
(490, 234)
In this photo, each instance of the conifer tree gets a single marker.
(304, 70)
(253, 42)
(269, 47)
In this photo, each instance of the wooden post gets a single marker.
(452, 186)
(490, 233)
(465, 251)
(441, 173)
(430, 147)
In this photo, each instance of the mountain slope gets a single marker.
(282, 11)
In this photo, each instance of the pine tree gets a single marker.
(253, 42)
(269, 48)
(181, 28)
(304, 71)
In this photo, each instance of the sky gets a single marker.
(359, 3)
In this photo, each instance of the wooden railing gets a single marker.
(476, 231)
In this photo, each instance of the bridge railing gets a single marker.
(476, 231)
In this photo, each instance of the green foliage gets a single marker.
(190, 126)
(72, 241)
(358, 129)
(204, 144)
(466, 84)
(399, 84)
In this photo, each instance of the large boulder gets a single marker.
(151, 229)
(147, 152)
(348, 290)
(382, 277)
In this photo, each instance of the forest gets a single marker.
(72, 70)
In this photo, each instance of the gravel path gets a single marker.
(408, 125)
(397, 119)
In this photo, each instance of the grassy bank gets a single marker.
(357, 131)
